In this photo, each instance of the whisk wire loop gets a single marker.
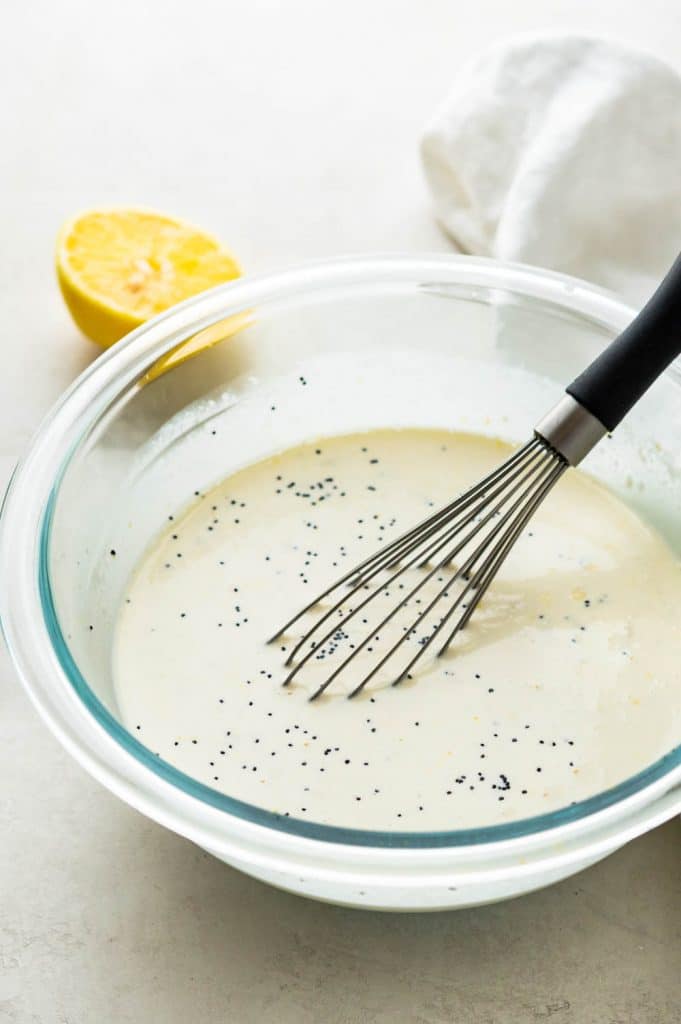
(490, 516)
(361, 580)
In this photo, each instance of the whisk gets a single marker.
(454, 554)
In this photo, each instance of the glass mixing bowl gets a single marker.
(430, 341)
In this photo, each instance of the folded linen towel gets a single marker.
(562, 151)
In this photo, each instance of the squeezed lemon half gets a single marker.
(118, 268)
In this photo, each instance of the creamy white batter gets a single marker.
(565, 682)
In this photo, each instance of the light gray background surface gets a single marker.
(289, 129)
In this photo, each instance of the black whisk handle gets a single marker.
(620, 375)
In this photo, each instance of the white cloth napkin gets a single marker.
(563, 151)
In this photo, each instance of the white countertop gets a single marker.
(289, 129)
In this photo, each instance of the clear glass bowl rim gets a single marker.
(75, 414)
